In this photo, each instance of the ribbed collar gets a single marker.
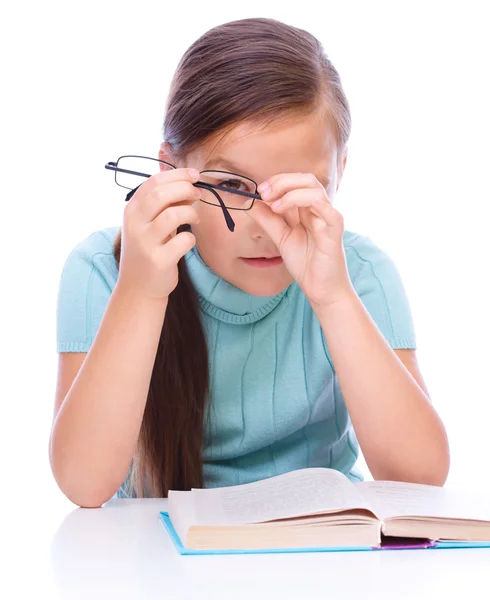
(224, 301)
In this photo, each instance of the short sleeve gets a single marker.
(87, 279)
(379, 285)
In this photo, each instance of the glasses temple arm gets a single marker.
(229, 221)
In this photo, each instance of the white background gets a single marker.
(86, 83)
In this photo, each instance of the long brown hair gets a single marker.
(260, 70)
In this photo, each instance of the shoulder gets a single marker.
(361, 252)
(379, 284)
(88, 277)
(94, 254)
(97, 242)
(369, 265)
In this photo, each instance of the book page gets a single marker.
(181, 511)
(396, 498)
(296, 493)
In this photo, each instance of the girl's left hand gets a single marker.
(308, 232)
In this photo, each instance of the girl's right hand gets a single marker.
(150, 247)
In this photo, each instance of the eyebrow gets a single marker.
(229, 165)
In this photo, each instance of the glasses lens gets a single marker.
(228, 181)
(139, 167)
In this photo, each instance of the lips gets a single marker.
(261, 263)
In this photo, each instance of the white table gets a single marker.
(122, 550)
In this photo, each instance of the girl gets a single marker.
(186, 360)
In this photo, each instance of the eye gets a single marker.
(234, 184)
(228, 181)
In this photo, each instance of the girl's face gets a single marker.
(305, 145)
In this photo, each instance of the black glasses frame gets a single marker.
(199, 184)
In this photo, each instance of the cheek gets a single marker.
(215, 242)
(212, 224)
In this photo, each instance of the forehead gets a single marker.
(295, 144)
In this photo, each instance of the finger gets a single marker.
(275, 226)
(164, 196)
(292, 216)
(300, 198)
(285, 182)
(324, 237)
(309, 220)
(161, 181)
(328, 228)
(327, 213)
(167, 222)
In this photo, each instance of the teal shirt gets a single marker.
(276, 403)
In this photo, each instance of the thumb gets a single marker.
(274, 225)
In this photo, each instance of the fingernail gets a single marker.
(264, 189)
(276, 203)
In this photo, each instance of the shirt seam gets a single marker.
(383, 295)
(67, 344)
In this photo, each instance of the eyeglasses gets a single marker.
(130, 168)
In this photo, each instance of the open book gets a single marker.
(321, 508)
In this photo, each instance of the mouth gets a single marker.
(262, 261)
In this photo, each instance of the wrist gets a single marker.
(347, 297)
(137, 298)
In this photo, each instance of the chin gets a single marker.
(265, 288)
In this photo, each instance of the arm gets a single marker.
(400, 433)
(95, 432)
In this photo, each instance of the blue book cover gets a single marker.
(394, 544)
